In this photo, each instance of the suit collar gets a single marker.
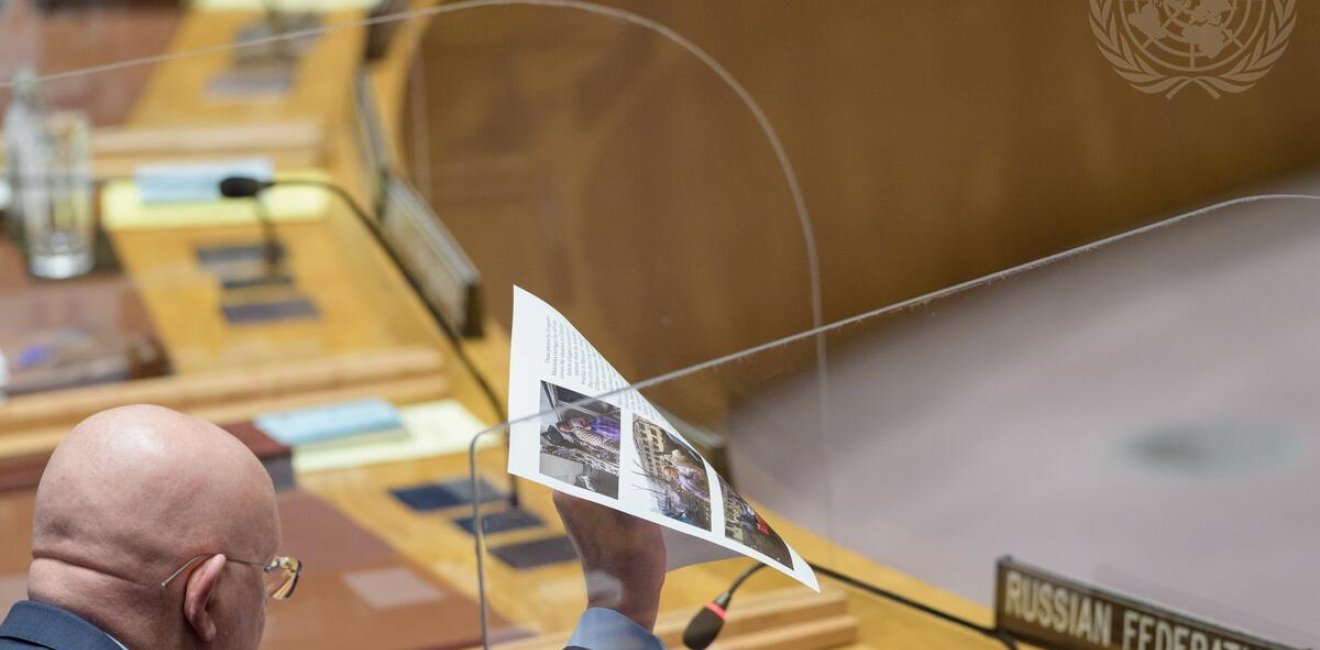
(52, 627)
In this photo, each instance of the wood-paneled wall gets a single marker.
(605, 169)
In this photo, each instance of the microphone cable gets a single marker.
(707, 623)
(709, 620)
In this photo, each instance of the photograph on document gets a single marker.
(744, 525)
(579, 440)
(673, 473)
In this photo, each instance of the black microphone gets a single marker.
(706, 625)
(242, 187)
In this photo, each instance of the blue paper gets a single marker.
(329, 422)
(195, 182)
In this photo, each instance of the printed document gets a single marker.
(579, 429)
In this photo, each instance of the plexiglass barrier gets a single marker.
(1136, 414)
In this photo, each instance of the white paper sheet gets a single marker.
(619, 451)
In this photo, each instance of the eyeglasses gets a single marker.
(281, 573)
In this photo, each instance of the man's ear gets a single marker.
(197, 595)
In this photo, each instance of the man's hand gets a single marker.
(623, 557)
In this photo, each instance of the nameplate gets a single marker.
(1044, 609)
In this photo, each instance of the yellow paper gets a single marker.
(122, 207)
(434, 429)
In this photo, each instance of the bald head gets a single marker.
(129, 496)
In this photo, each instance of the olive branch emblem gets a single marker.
(1129, 62)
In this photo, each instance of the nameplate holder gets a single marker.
(1044, 609)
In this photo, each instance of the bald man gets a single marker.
(130, 497)
(156, 530)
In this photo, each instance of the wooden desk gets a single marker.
(365, 308)
(178, 91)
(334, 261)
(551, 598)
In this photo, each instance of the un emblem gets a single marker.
(1163, 46)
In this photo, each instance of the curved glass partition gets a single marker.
(599, 159)
(1135, 414)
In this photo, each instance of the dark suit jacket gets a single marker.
(37, 625)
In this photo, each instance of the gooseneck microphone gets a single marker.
(245, 187)
(707, 623)
(241, 187)
(250, 188)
